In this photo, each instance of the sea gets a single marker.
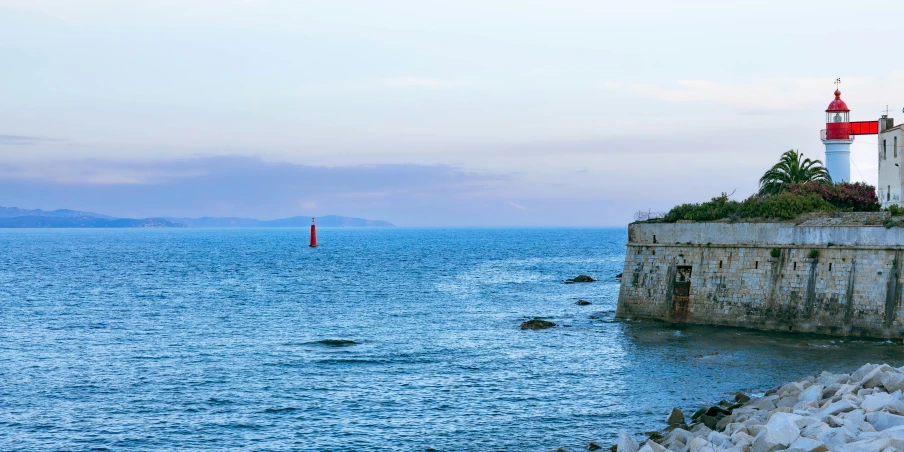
(378, 340)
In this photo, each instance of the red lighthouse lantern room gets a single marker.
(838, 119)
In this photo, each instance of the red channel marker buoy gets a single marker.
(313, 234)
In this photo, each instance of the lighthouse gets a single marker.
(837, 139)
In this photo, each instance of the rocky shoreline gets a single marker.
(862, 411)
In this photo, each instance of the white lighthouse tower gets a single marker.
(837, 138)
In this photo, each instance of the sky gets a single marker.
(426, 113)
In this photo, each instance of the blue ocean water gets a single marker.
(380, 339)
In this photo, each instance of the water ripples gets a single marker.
(395, 339)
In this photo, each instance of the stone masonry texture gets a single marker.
(836, 280)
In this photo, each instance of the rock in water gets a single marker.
(583, 278)
(583, 303)
(626, 443)
(537, 324)
(677, 417)
(594, 446)
(651, 446)
(859, 412)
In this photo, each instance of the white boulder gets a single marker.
(840, 406)
(835, 437)
(882, 401)
(811, 394)
(893, 381)
(652, 446)
(626, 443)
(881, 420)
(804, 444)
(779, 433)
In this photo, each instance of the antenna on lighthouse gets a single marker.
(313, 234)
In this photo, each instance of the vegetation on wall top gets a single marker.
(794, 186)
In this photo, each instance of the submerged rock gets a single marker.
(594, 446)
(537, 324)
(583, 303)
(580, 279)
(336, 343)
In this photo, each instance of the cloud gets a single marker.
(764, 95)
(405, 194)
(517, 206)
(18, 140)
(242, 186)
(420, 82)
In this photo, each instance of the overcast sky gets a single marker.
(426, 113)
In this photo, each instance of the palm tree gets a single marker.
(792, 168)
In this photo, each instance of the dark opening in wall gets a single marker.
(795, 266)
(654, 238)
(830, 266)
(720, 264)
(756, 265)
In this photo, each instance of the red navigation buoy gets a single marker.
(313, 234)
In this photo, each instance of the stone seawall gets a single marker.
(811, 277)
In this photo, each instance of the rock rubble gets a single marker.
(858, 412)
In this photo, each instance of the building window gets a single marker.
(896, 147)
(888, 194)
(884, 149)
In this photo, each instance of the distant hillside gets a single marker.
(14, 217)
(84, 222)
(9, 212)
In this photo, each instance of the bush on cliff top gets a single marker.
(798, 199)
(784, 206)
(856, 197)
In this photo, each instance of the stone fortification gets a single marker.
(838, 275)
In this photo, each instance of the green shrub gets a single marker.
(845, 196)
(814, 254)
(716, 209)
(895, 210)
(784, 206)
(775, 252)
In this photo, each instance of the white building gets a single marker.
(891, 159)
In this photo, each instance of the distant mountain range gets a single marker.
(14, 217)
